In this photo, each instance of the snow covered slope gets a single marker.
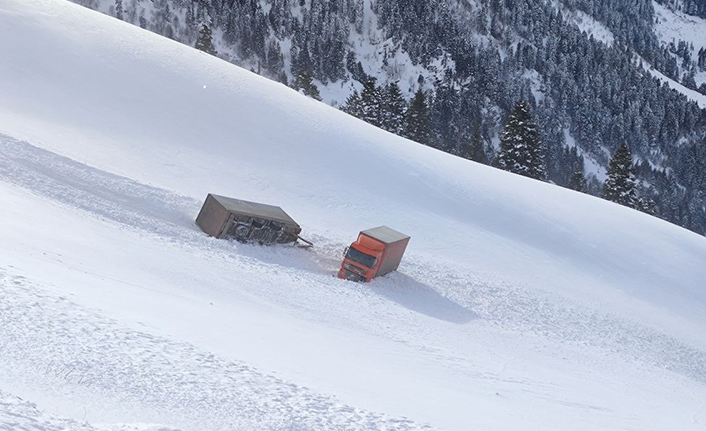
(675, 26)
(691, 94)
(519, 305)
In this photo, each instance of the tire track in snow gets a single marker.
(155, 371)
(18, 414)
(169, 216)
(103, 194)
(51, 339)
(136, 206)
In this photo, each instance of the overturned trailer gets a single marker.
(245, 221)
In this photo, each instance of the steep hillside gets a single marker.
(581, 63)
(519, 304)
(683, 34)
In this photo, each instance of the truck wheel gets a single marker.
(242, 231)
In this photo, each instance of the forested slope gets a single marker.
(590, 69)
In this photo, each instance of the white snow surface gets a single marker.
(585, 23)
(519, 305)
(695, 96)
(674, 26)
(591, 167)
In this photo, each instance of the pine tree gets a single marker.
(477, 148)
(394, 107)
(646, 205)
(689, 81)
(371, 103)
(355, 68)
(577, 182)
(521, 146)
(205, 40)
(621, 184)
(275, 59)
(305, 83)
(443, 113)
(190, 15)
(417, 120)
(353, 105)
(119, 9)
(471, 147)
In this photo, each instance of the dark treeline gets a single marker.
(481, 61)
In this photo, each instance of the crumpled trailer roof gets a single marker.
(254, 209)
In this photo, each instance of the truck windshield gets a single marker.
(362, 258)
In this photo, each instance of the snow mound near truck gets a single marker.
(518, 304)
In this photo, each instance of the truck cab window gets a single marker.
(361, 258)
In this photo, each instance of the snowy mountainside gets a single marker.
(474, 60)
(674, 27)
(518, 304)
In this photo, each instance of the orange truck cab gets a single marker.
(376, 252)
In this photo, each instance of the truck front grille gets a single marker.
(352, 276)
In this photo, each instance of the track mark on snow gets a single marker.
(52, 339)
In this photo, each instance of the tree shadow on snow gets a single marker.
(420, 298)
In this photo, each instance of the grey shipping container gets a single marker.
(245, 221)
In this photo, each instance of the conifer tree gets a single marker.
(353, 105)
(205, 40)
(394, 107)
(621, 184)
(646, 205)
(355, 67)
(371, 103)
(275, 59)
(477, 148)
(119, 9)
(471, 146)
(305, 83)
(521, 146)
(190, 15)
(443, 113)
(417, 120)
(577, 182)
